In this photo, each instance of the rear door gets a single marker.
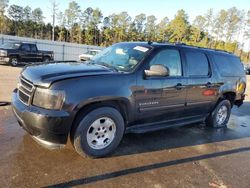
(201, 90)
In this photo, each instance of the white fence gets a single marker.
(63, 51)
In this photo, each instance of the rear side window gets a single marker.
(33, 48)
(197, 63)
(25, 47)
(228, 65)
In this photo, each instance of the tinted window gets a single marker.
(170, 58)
(33, 48)
(228, 65)
(197, 64)
(25, 47)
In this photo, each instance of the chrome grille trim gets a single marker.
(25, 90)
(29, 85)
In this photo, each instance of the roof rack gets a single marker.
(184, 44)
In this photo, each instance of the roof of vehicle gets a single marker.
(182, 45)
(18, 42)
(95, 50)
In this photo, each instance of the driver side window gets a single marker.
(169, 58)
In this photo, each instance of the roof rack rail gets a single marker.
(180, 43)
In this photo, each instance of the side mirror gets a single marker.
(157, 70)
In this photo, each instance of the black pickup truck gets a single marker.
(128, 87)
(15, 53)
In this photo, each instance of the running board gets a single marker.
(149, 127)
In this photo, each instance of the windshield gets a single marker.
(11, 45)
(122, 57)
(92, 52)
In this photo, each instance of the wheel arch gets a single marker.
(229, 95)
(120, 104)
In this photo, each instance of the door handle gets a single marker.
(209, 85)
(179, 86)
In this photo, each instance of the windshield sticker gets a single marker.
(141, 48)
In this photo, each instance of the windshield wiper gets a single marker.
(103, 64)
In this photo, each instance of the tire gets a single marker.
(46, 59)
(13, 61)
(88, 136)
(220, 115)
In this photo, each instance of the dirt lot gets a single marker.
(190, 156)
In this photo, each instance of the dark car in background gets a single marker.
(14, 53)
(130, 87)
(247, 69)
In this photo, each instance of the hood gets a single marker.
(45, 74)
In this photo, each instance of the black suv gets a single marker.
(129, 87)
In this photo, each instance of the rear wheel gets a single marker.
(13, 61)
(220, 115)
(46, 59)
(99, 132)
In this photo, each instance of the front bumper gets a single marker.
(49, 128)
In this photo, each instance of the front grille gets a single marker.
(25, 91)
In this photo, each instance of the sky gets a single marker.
(159, 8)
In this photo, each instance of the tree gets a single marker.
(150, 28)
(200, 22)
(28, 24)
(91, 20)
(247, 34)
(162, 34)
(178, 27)
(72, 16)
(3, 5)
(54, 9)
(139, 22)
(16, 14)
(220, 24)
(232, 23)
(62, 30)
(209, 24)
(37, 18)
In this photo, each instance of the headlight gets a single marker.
(49, 99)
(3, 52)
(241, 87)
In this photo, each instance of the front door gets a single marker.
(26, 53)
(162, 98)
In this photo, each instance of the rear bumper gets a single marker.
(4, 60)
(49, 128)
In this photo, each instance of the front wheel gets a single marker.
(13, 61)
(220, 115)
(99, 132)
